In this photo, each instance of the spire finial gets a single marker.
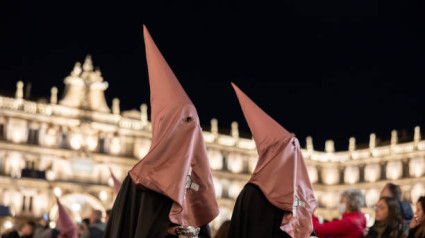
(144, 114)
(88, 64)
(214, 126)
(54, 95)
(235, 130)
(352, 144)
(372, 141)
(394, 137)
(19, 90)
(77, 70)
(116, 106)
(330, 146)
(309, 143)
(417, 135)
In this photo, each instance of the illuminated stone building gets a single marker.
(66, 147)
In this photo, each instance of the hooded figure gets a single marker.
(172, 184)
(66, 226)
(278, 200)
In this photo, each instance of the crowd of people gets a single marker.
(393, 217)
(90, 227)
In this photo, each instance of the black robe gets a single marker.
(254, 216)
(141, 214)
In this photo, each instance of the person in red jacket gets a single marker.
(353, 221)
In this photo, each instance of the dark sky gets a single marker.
(326, 68)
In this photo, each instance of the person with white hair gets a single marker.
(353, 221)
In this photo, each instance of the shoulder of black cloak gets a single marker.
(254, 216)
(138, 213)
(205, 232)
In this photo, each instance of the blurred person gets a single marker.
(223, 231)
(394, 191)
(84, 226)
(42, 229)
(388, 220)
(96, 228)
(11, 233)
(28, 229)
(353, 221)
(417, 226)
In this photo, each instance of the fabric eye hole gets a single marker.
(187, 119)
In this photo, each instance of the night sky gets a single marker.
(326, 68)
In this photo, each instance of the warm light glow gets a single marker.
(218, 187)
(235, 163)
(57, 191)
(19, 133)
(372, 172)
(16, 164)
(416, 167)
(50, 175)
(394, 170)
(216, 159)
(52, 225)
(312, 174)
(226, 140)
(371, 197)
(330, 176)
(76, 141)
(416, 192)
(110, 182)
(91, 142)
(330, 199)
(142, 147)
(7, 225)
(103, 195)
(115, 147)
(351, 174)
(76, 207)
(50, 137)
(252, 163)
(234, 189)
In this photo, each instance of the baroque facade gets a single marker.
(65, 148)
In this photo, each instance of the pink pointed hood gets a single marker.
(117, 183)
(67, 227)
(176, 164)
(280, 173)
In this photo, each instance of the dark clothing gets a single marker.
(407, 214)
(141, 214)
(406, 211)
(45, 232)
(12, 234)
(377, 231)
(413, 231)
(254, 216)
(95, 230)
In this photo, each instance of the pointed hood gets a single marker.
(67, 227)
(280, 173)
(166, 91)
(117, 183)
(176, 164)
(264, 129)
